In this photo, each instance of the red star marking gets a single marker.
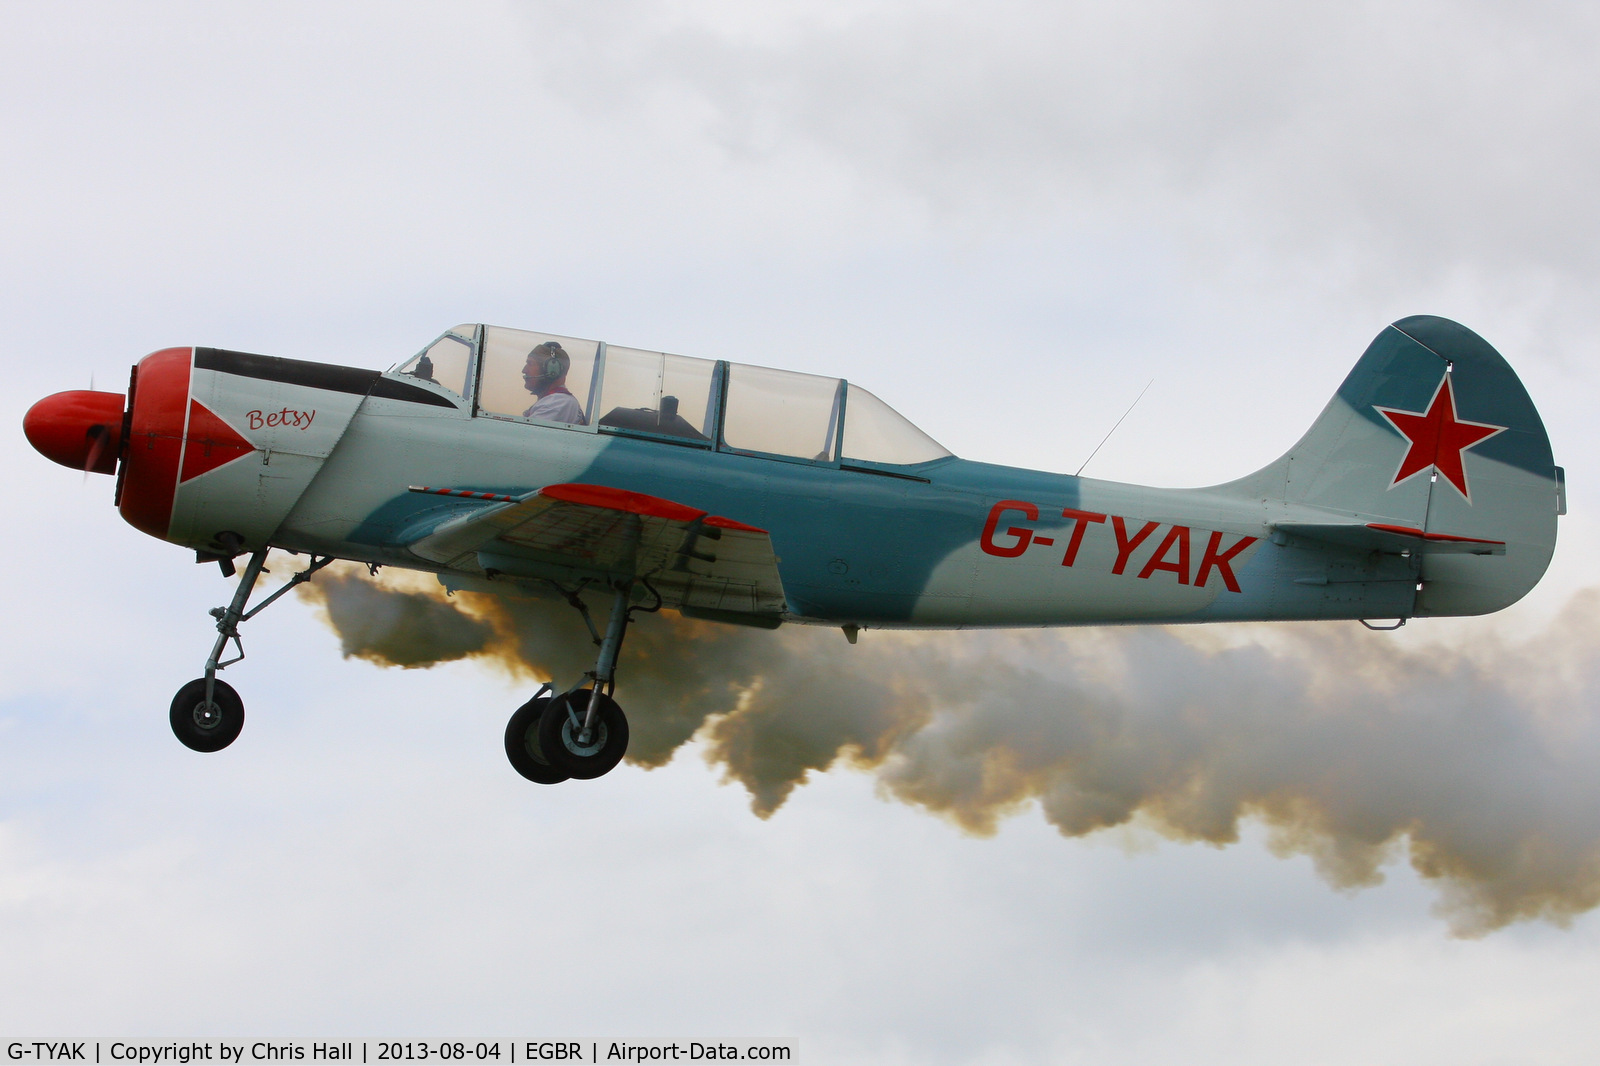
(1438, 438)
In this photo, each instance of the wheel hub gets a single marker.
(207, 715)
(574, 740)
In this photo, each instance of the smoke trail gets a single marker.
(394, 627)
(1476, 763)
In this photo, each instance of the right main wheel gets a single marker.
(563, 744)
(522, 744)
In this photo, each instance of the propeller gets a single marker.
(99, 436)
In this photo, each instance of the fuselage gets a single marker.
(224, 452)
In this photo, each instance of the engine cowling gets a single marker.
(213, 448)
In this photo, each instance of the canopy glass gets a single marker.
(545, 379)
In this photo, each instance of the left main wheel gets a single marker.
(202, 725)
(522, 744)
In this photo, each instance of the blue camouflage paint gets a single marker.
(413, 515)
(851, 545)
(1404, 364)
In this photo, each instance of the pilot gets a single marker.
(545, 375)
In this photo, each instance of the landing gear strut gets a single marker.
(207, 714)
(581, 733)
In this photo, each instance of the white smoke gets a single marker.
(1476, 762)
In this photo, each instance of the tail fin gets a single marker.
(1432, 434)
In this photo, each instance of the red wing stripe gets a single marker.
(727, 523)
(466, 493)
(638, 503)
(621, 500)
(1407, 531)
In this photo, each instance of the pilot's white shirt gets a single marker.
(558, 405)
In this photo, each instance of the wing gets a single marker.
(569, 533)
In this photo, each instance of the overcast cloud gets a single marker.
(1231, 199)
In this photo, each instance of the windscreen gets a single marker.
(446, 362)
(878, 433)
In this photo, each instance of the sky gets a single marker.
(1005, 221)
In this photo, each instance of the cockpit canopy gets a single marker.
(544, 379)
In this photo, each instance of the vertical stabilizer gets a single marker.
(1431, 432)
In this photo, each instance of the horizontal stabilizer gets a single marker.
(572, 533)
(1390, 539)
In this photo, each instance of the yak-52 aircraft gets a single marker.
(526, 463)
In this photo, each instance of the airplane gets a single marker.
(533, 464)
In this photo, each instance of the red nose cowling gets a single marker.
(81, 429)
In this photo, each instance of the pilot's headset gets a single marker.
(551, 361)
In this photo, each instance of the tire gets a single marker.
(522, 744)
(206, 729)
(558, 741)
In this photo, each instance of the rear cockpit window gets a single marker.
(782, 413)
(650, 392)
(446, 362)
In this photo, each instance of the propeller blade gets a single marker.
(100, 434)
